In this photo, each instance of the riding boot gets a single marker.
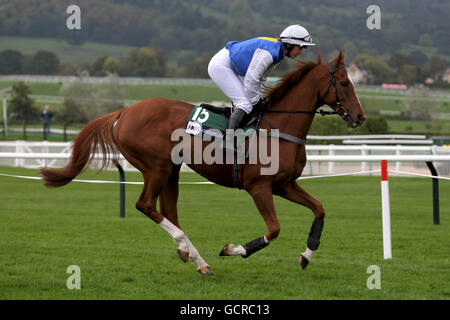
(236, 118)
(234, 123)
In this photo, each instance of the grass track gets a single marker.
(43, 231)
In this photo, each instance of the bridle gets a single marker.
(339, 107)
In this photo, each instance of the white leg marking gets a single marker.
(235, 251)
(194, 255)
(175, 232)
(308, 254)
(184, 243)
(239, 250)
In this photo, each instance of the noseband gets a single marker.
(339, 105)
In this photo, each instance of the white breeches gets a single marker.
(221, 71)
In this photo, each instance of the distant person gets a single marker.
(46, 119)
(240, 69)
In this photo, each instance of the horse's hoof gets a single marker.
(303, 261)
(224, 251)
(183, 255)
(205, 271)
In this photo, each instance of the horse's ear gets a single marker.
(338, 60)
(341, 57)
(318, 55)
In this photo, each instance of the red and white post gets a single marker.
(386, 211)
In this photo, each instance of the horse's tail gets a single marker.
(95, 136)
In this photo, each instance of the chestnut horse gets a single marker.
(142, 134)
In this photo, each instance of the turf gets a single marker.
(44, 231)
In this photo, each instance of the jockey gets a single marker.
(240, 69)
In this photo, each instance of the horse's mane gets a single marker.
(290, 79)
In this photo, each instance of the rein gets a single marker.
(339, 107)
(321, 112)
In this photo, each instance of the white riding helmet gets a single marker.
(296, 34)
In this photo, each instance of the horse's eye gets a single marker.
(344, 83)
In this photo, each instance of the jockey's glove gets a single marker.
(260, 106)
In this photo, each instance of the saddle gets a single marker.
(210, 122)
(248, 121)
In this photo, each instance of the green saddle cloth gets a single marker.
(201, 119)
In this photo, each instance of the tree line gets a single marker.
(206, 25)
(141, 62)
(402, 68)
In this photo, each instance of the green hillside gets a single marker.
(73, 54)
(176, 38)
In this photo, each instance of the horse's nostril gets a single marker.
(361, 118)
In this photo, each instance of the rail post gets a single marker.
(122, 188)
(386, 211)
(435, 192)
(5, 119)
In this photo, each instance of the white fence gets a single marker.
(322, 159)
